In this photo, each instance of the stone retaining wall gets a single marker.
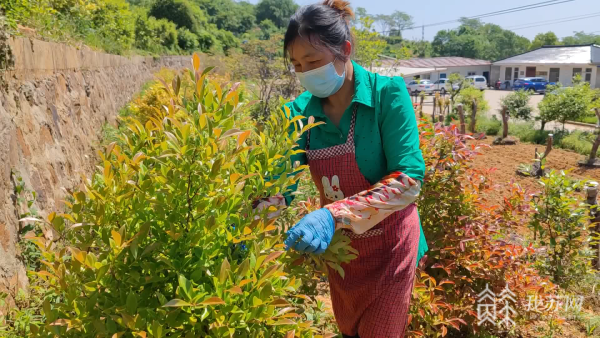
(53, 104)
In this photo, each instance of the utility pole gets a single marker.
(423, 33)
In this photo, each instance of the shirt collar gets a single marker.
(363, 93)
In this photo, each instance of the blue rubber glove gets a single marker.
(313, 233)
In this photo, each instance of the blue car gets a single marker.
(533, 84)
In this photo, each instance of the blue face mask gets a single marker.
(323, 81)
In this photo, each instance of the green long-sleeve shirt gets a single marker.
(386, 134)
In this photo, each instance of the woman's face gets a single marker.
(305, 57)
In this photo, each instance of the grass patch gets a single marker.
(489, 126)
(578, 141)
(588, 118)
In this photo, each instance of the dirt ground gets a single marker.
(506, 159)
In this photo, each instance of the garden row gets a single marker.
(163, 240)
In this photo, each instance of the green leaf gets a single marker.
(224, 272)
(186, 286)
(242, 270)
(216, 168)
(157, 329)
(204, 314)
(131, 303)
(176, 303)
(207, 69)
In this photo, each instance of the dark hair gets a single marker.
(324, 25)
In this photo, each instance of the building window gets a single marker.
(426, 76)
(554, 74)
(471, 73)
(576, 71)
(508, 74)
(442, 75)
(588, 75)
(543, 74)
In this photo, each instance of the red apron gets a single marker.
(373, 298)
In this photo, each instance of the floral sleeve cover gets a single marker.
(366, 209)
(277, 201)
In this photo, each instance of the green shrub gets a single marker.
(560, 224)
(181, 12)
(187, 40)
(113, 25)
(578, 141)
(488, 126)
(466, 97)
(163, 240)
(207, 41)
(517, 104)
(227, 40)
(155, 35)
(525, 131)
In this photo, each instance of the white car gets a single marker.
(477, 81)
(417, 86)
(443, 86)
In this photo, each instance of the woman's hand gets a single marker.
(313, 233)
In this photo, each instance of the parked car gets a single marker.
(417, 86)
(443, 86)
(477, 81)
(533, 84)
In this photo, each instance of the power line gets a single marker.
(506, 11)
(501, 12)
(552, 20)
(588, 17)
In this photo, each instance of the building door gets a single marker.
(487, 76)
(530, 71)
(516, 74)
(508, 74)
(554, 75)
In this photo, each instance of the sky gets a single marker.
(434, 11)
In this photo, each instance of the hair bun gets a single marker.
(342, 6)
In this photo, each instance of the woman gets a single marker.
(367, 165)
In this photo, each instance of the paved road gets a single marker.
(495, 96)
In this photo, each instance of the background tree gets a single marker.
(369, 44)
(278, 11)
(581, 38)
(400, 22)
(236, 17)
(180, 12)
(566, 103)
(480, 41)
(359, 13)
(515, 105)
(544, 39)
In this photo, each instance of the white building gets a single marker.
(555, 64)
(435, 68)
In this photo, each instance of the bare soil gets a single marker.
(505, 159)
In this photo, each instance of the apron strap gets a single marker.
(350, 139)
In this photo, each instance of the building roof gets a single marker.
(575, 54)
(437, 62)
(404, 71)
